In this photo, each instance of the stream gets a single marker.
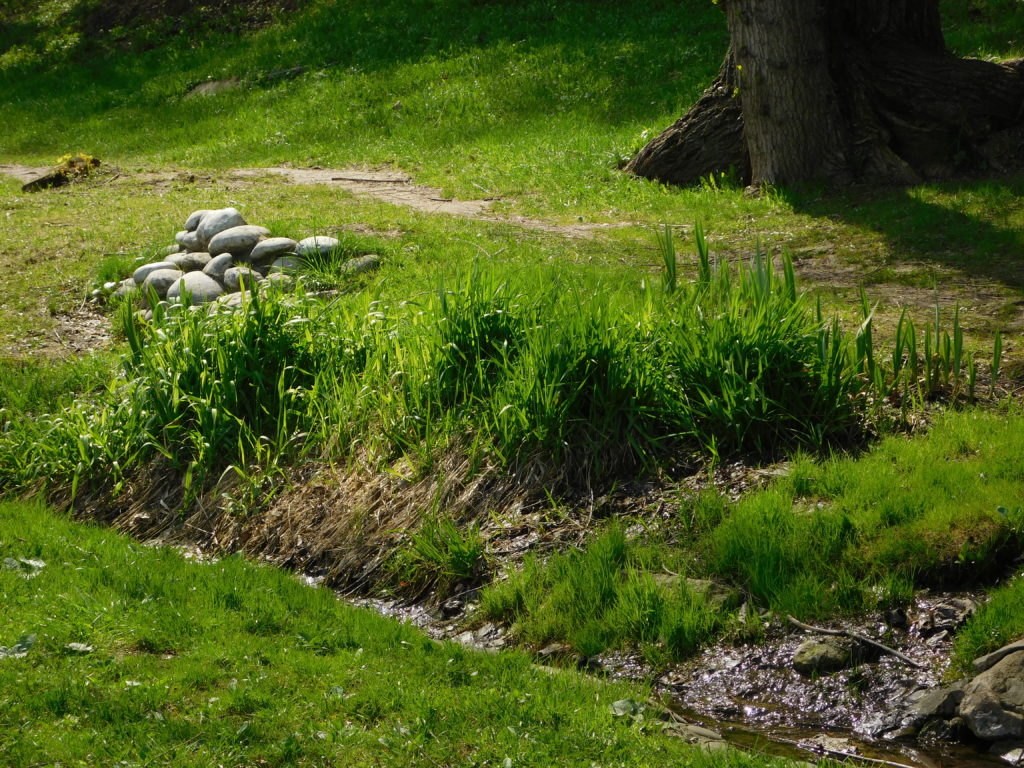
(754, 699)
(751, 696)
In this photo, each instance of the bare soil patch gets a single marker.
(387, 185)
(73, 333)
(24, 173)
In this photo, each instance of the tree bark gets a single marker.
(841, 90)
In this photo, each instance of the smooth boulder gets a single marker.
(286, 264)
(272, 248)
(189, 241)
(282, 281)
(822, 656)
(126, 287)
(190, 262)
(320, 245)
(160, 281)
(993, 703)
(218, 265)
(238, 277)
(140, 274)
(217, 221)
(360, 264)
(991, 659)
(200, 288)
(195, 219)
(238, 241)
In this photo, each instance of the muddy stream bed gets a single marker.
(751, 696)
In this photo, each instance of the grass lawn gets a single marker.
(116, 653)
(512, 344)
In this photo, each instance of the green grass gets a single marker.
(998, 622)
(605, 596)
(33, 388)
(507, 367)
(841, 536)
(460, 73)
(438, 557)
(559, 348)
(233, 663)
(519, 101)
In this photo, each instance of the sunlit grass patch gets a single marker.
(135, 654)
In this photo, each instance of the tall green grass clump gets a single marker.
(602, 596)
(997, 623)
(438, 556)
(201, 390)
(731, 362)
(597, 379)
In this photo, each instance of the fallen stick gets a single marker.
(370, 181)
(836, 753)
(859, 637)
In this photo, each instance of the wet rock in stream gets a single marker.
(993, 702)
(822, 656)
(790, 683)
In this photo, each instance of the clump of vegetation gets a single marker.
(604, 596)
(438, 557)
(998, 622)
(602, 380)
(842, 536)
(509, 370)
(75, 166)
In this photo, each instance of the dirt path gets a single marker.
(389, 186)
(23, 173)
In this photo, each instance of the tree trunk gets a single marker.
(841, 90)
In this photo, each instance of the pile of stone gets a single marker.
(218, 256)
(988, 706)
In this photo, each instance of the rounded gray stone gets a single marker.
(237, 277)
(190, 262)
(993, 702)
(272, 248)
(217, 221)
(823, 656)
(140, 274)
(320, 244)
(194, 219)
(200, 287)
(218, 266)
(991, 659)
(282, 281)
(170, 250)
(126, 287)
(360, 264)
(161, 280)
(231, 300)
(237, 240)
(189, 241)
(286, 264)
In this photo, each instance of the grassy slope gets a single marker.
(842, 536)
(518, 101)
(236, 664)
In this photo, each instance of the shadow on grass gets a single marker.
(525, 59)
(963, 225)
